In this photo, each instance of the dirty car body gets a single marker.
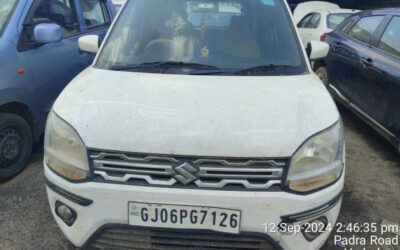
(198, 124)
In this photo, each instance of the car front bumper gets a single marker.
(100, 204)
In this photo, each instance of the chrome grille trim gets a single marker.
(199, 183)
(148, 158)
(134, 168)
(234, 173)
(126, 177)
(244, 183)
(167, 171)
(247, 163)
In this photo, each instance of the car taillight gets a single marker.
(323, 36)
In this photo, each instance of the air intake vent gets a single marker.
(132, 238)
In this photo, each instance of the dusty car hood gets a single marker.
(227, 116)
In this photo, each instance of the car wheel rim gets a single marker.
(321, 77)
(10, 146)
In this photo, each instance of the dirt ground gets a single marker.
(372, 194)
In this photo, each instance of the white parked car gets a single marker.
(317, 24)
(199, 124)
(302, 9)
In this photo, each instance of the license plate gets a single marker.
(184, 217)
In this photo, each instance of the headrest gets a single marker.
(238, 23)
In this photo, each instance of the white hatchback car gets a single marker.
(200, 124)
(316, 25)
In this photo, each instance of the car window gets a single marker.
(217, 18)
(305, 21)
(334, 20)
(390, 41)
(347, 24)
(6, 10)
(95, 13)
(227, 34)
(61, 12)
(315, 21)
(364, 29)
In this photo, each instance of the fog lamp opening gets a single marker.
(65, 213)
(314, 228)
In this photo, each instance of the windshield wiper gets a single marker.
(246, 71)
(214, 72)
(166, 64)
(264, 68)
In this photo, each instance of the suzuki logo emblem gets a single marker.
(185, 173)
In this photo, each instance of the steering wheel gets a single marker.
(156, 42)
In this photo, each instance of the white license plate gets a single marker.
(184, 217)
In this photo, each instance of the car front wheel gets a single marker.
(322, 73)
(15, 145)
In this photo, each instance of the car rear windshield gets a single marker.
(226, 34)
(6, 10)
(335, 19)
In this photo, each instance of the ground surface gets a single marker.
(372, 194)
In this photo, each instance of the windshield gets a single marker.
(6, 9)
(227, 34)
(335, 19)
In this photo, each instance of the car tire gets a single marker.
(15, 145)
(322, 73)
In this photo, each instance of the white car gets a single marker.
(199, 124)
(318, 23)
(302, 9)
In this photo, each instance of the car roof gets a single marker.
(387, 11)
(342, 11)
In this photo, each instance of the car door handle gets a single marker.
(367, 61)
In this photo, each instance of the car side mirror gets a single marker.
(317, 50)
(47, 33)
(89, 43)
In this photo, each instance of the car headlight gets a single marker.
(319, 161)
(64, 151)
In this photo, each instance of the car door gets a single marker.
(96, 16)
(302, 27)
(368, 91)
(348, 60)
(310, 31)
(314, 32)
(52, 65)
(386, 68)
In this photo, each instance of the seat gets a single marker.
(241, 42)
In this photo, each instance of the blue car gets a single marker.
(362, 69)
(39, 55)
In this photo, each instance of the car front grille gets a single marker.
(134, 238)
(186, 172)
